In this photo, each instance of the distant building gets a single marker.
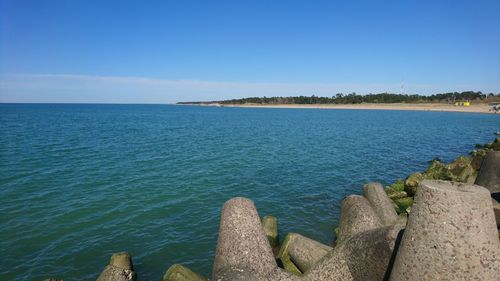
(462, 103)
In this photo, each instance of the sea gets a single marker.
(79, 182)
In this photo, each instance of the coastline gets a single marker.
(475, 108)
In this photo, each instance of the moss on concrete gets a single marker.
(270, 225)
(284, 258)
(397, 195)
(437, 171)
(462, 170)
(399, 185)
(178, 272)
(403, 204)
(412, 182)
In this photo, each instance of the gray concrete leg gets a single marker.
(356, 216)
(178, 272)
(381, 204)
(270, 225)
(366, 256)
(489, 174)
(120, 268)
(305, 252)
(451, 235)
(243, 250)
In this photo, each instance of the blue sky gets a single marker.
(169, 51)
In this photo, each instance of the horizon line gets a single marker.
(108, 89)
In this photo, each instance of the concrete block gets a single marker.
(305, 252)
(178, 272)
(120, 268)
(279, 274)
(270, 225)
(121, 260)
(380, 202)
(284, 256)
(356, 216)
(365, 256)
(496, 211)
(489, 174)
(451, 235)
(243, 250)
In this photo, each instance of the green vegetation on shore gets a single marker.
(462, 169)
(354, 98)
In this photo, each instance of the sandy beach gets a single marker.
(479, 108)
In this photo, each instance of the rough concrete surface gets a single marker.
(121, 260)
(242, 246)
(356, 216)
(305, 252)
(381, 204)
(284, 257)
(364, 257)
(496, 211)
(270, 225)
(451, 235)
(489, 174)
(178, 272)
(120, 268)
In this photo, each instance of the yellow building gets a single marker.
(462, 103)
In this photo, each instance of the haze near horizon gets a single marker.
(170, 51)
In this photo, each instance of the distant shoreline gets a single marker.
(474, 108)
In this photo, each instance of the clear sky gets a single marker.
(169, 51)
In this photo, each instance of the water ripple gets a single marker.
(79, 182)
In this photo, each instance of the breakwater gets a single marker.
(449, 231)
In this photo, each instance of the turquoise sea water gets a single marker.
(79, 182)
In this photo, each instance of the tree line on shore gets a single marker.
(354, 98)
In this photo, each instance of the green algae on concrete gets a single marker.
(120, 268)
(403, 204)
(462, 170)
(284, 257)
(412, 182)
(397, 195)
(178, 272)
(437, 171)
(270, 225)
(399, 185)
(121, 260)
(477, 158)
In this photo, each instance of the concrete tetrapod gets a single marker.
(270, 225)
(381, 204)
(364, 257)
(305, 252)
(284, 257)
(178, 272)
(356, 216)
(451, 235)
(489, 174)
(120, 268)
(243, 251)
(496, 211)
